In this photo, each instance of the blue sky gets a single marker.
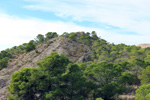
(117, 21)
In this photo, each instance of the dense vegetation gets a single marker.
(111, 70)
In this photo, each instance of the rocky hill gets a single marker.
(100, 60)
(76, 51)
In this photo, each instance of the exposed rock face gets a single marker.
(76, 51)
(144, 45)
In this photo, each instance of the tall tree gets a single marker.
(40, 38)
(143, 92)
(21, 87)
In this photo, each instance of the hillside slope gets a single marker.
(76, 51)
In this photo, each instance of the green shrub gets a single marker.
(4, 62)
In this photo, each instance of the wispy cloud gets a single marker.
(132, 15)
(15, 31)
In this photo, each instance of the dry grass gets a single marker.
(126, 97)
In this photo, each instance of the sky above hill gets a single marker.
(117, 21)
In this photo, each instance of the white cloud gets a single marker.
(132, 15)
(15, 31)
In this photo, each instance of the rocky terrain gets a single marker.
(76, 51)
(144, 45)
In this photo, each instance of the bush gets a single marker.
(72, 36)
(126, 77)
(4, 62)
(30, 46)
